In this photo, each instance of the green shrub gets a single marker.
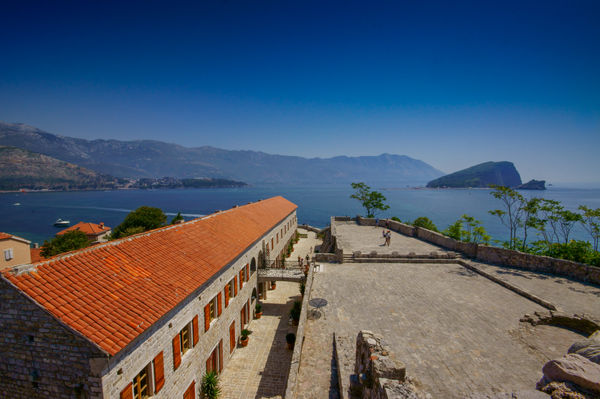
(425, 223)
(210, 385)
(69, 241)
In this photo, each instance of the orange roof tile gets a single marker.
(87, 228)
(112, 292)
(4, 236)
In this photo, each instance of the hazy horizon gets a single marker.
(453, 85)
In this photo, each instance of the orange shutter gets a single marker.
(227, 295)
(235, 286)
(127, 393)
(247, 272)
(159, 372)
(220, 356)
(195, 329)
(206, 317)
(190, 393)
(219, 306)
(209, 365)
(241, 278)
(176, 352)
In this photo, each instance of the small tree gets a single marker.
(210, 385)
(530, 219)
(142, 219)
(69, 241)
(177, 218)
(511, 215)
(566, 222)
(425, 222)
(467, 229)
(372, 201)
(590, 220)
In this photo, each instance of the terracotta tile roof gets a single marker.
(91, 229)
(4, 236)
(112, 292)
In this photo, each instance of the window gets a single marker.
(272, 246)
(277, 238)
(8, 254)
(212, 310)
(185, 339)
(141, 388)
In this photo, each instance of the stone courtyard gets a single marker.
(457, 332)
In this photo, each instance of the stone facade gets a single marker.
(41, 357)
(19, 254)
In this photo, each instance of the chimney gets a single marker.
(36, 245)
(101, 225)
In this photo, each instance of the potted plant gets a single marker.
(244, 337)
(295, 312)
(291, 340)
(210, 385)
(273, 285)
(258, 310)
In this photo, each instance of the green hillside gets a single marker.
(501, 173)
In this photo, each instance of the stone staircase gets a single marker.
(395, 257)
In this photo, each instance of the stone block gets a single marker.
(576, 369)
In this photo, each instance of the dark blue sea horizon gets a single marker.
(33, 219)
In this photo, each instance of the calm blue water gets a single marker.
(34, 218)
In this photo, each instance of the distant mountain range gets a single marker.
(22, 169)
(153, 159)
(500, 173)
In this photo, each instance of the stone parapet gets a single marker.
(495, 255)
(297, 354)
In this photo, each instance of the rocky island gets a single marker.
(483, 175)
(533, 185)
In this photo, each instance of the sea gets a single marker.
(31, 215)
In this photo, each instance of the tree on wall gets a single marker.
(142, 219)
(510, 216)
(590, 220)
(372, 201)
(69, 241)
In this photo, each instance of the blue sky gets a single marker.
(450, 83)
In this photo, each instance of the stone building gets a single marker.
(14, 251)
(145, 315)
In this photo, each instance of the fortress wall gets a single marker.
(496, 255)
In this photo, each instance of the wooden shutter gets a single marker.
(176, 352)
(219, 306)
(220, 356)
(195, 330)
(209, 364)
(159, 372)
(232, 337)
(247, 272)
(190, 393)
(206, 317)
(235, 286)
(227, 295)
(241, 278)
(127, 393)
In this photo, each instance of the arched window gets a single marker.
(253, 265)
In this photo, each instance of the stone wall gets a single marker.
(377, 372)
(297, 354)
(496, 255)
(39, 356)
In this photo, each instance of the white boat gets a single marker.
(61, 223)
(17, 204)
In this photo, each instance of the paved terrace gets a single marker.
(457, 332)
(365, 239)
(260, 369)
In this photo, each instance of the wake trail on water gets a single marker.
(123, 210)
